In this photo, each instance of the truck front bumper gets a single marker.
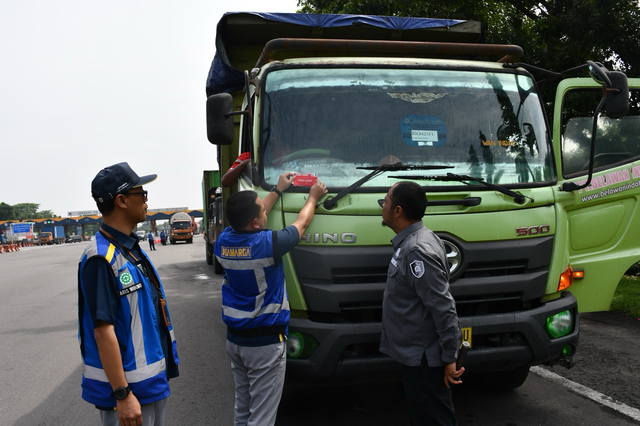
(499, 342)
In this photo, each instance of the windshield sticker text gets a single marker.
(423, 130)
(498, 142)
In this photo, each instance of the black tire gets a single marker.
(217, 267)
(502, 380)
(209, 253)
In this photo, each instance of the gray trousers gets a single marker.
(152, 415)
(259, 377)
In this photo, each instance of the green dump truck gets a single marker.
(540, 221)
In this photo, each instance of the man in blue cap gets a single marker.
(127, 341)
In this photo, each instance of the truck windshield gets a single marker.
(181, 225)
(329, 121)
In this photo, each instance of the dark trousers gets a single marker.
(428, 399)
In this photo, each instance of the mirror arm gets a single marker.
(229, 114)
(599, 73)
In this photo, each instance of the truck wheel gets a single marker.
(217, 267)
(503, 380)
(209, 253)
(190, 240)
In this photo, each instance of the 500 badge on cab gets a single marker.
(532, 230)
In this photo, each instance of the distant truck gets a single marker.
(181, 228)
(51, 235)
(212, 208)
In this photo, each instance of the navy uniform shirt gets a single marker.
(418, 312)
(101, 290)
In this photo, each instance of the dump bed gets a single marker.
(240, 37)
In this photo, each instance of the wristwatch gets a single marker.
(276, 190)
(121, 393)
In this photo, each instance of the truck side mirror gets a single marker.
(220, 119)
(617, 89)
(617, 102)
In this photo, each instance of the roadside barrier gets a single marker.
(7, 248)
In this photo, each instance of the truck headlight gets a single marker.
(560, 324)
(300, 345)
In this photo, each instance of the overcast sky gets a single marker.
(87, 84)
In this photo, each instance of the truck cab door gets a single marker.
(599, 225)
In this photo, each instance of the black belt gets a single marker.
(259, 331)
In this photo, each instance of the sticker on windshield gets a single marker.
(423, 130)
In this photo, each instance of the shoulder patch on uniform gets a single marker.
(126, 278)
(417, 268)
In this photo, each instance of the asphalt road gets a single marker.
(40, 366)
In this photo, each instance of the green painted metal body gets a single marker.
(338, 302)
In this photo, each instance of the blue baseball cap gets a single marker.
(116, 179)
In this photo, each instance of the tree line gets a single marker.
(23, 211)
(554, 34)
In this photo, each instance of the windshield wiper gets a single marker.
(518, 198)
(377, 170)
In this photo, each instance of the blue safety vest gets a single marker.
(136, 329)
(253, 287)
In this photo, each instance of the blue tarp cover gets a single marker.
(225, 78)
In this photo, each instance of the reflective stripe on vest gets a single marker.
(269, 298)
(134, 310)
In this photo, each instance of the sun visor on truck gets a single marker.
(242, 35)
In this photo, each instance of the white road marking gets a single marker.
(201, 277)
(574, 387)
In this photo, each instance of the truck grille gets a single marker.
(495, 269)
(359, 275)
(346, 284)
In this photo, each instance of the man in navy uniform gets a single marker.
(126, 336)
